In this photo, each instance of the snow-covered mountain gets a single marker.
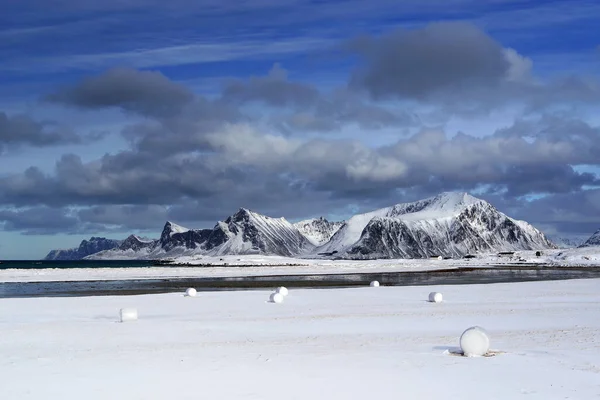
(594, 240)
(567, 242)
(86, 247)
(450, 224)
(245, 232)
(318, 230)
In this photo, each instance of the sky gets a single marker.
(119, 115)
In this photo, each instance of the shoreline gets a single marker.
(457, 276)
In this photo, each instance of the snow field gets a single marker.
(324, 344)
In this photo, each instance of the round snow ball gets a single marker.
(375, 284)
(276, 298)
(282, 290)
(191, 292)
(475, 342)
(128, 314)
(435, 297)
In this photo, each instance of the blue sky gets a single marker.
(120, 114)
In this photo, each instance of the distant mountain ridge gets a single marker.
(450, 224)
(86, 248)
(245, 232)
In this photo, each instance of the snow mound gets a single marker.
(128, 314)
(190, 292)
(474, 342)
(282, 290)
(435, 297)
(276, 298)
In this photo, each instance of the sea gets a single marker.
(46, 264)
(459, 276)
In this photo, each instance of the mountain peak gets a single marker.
(456, 198)
(175, 228)
(594, 240)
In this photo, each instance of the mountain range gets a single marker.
(450, 225)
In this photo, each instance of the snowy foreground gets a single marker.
(361, 343)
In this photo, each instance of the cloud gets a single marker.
(43, 221)
(421, 63)
(19, 130)
(143, 92)
(574, 213)
(125, 217)
(274, 89)
(301, 107)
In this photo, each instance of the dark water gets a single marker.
(145, 286)
(37, 264)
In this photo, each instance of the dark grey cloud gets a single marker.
(341, 109)
(423, 62)
(19, 130)
(241, 164)
(564, 214)
(44, 221)
(274, 89)
(305, 108)
(144, 92)
(125, 218)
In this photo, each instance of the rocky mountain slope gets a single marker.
(86, 248)
(318, 230)
(449, 225)
(245, 232)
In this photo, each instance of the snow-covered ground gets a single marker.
(227, 266)
(383, 343)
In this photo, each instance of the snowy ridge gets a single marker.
(245, 232)
(174, 228)
(318, 230)
(441, 206)
(450, 225)
(567, 242)
(594, 240)
(252, 233)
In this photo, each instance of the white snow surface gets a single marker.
(319, 344)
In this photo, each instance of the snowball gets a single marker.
(276, 298)
(474, 342)
(128, 314)
(282, 290)
(435, 297)
(375, 284)
(191, 292)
